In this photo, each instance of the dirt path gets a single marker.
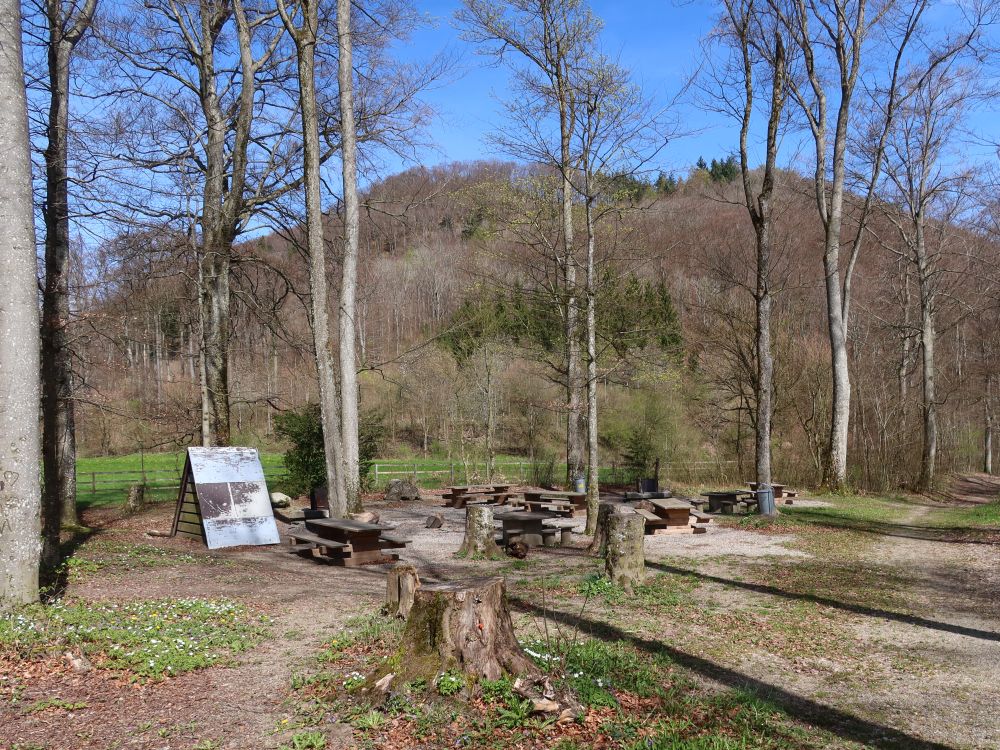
(953, 632)
(972, 488)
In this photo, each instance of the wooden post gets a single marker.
(624, 560)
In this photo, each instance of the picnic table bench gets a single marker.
(458, 495)
(527, 527)
(782, 495)
(345, 542)
(557, 507)
(578, 499)
(668, 516)
(726, 501)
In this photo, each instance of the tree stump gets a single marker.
(479, 533)
(604, 513)
(136, 498)
(624, 558)
(402, 583)
(463, 626)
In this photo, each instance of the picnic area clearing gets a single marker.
(844, 623)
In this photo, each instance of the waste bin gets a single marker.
(765, 500)
(579, 484)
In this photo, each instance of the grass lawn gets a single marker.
(104, 480)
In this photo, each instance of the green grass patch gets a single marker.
(987, 514)
(148, 639)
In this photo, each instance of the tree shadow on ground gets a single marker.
(859, 609)
(831, 719)
(945, 534)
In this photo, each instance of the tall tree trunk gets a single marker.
(593, 458)
(305, 43)
(58, 424)
(20, 490)
(988, 443)
(928, 334)
(836, 468)
(348, 286)
(574, 437)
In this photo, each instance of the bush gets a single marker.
(305, 459)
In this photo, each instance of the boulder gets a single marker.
(400, 489)
(365, 517)
(280, 500)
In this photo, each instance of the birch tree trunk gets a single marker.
(58, 423)
(20, 490)
(305, 37)
(593, 458)
(348, 286)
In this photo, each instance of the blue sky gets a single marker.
(658, 40)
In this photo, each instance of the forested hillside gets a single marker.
(461, 345)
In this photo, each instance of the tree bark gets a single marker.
(928, 337)
(20, 489)
(463, 626)
(402, 583)
(604, 512)
(480, 534)
(624, 558)
(348, 287)
(58, 421)
(593, 457)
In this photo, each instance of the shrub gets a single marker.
(305, 459)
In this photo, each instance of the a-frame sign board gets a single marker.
(223, 499)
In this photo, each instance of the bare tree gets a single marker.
(20, 491)
(67, 23)
(305, 36)
(757, 61)
(551, 36)
(926, 196)
(198, 75)
(617, 133)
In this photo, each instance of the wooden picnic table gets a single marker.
(579, 499)
(723, 501)
(346, 542)
(779, 489)
(526, 527)
(557, 507)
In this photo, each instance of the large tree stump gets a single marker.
(463, 626)
(624, 558)
(604, 513)
(402, 583)
(480, 534)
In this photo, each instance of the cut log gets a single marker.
(435, 521)
(402, 583)
(604, 512)
(624, 558)
(479, 533)
(464, 626)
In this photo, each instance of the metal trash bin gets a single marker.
(579, 484)
(765, 501)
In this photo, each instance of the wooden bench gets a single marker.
(701, 516)
(301, 540)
